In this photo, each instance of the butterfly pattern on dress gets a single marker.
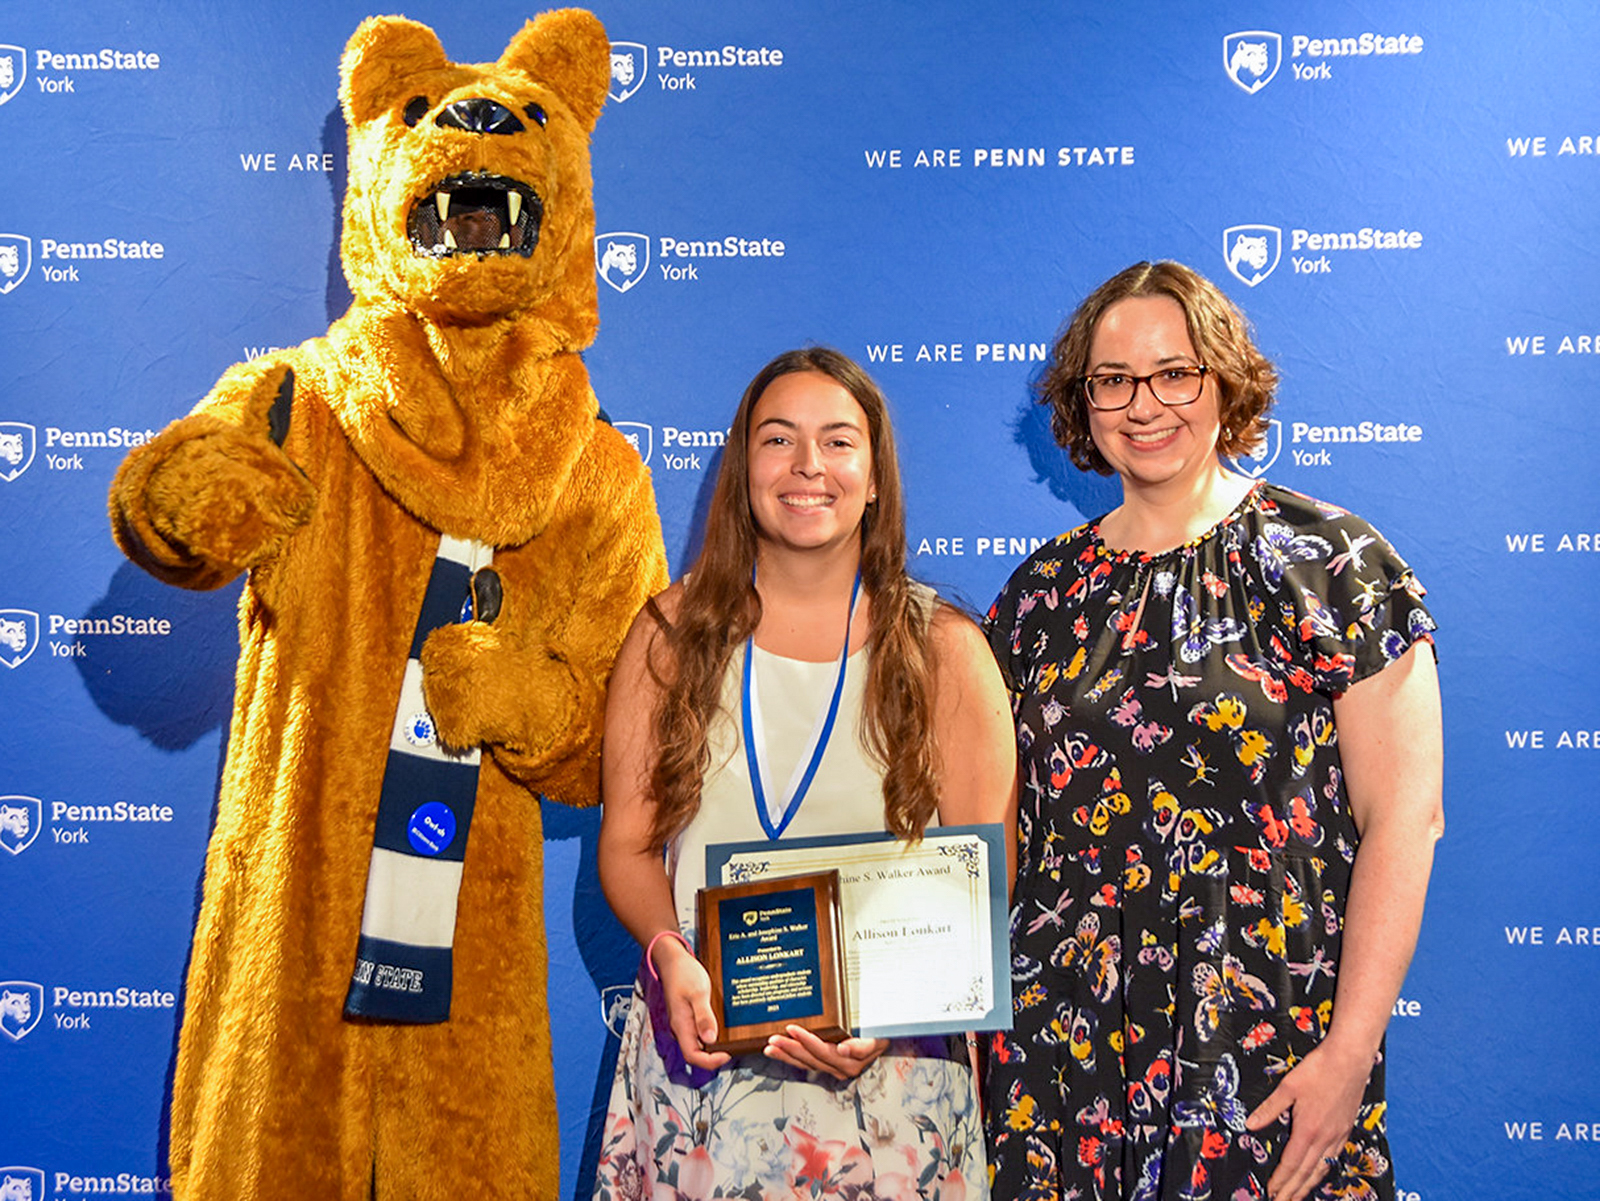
(1309, 731)
(1222, 992)
(1228, 713)
(1299, 819)
(1278, 546)
(1275, 678)
(1099, 959)
(1146, 735)
(1185, 847)
(1074, 1029)
(1217, 1100)
(1196, 634)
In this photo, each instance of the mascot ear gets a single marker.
(567, 51)
(380, 61)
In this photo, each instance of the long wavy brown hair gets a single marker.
(719, 609)
(1246, 379)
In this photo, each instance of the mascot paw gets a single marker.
(227, 494)
(228, 498)
(482, 687)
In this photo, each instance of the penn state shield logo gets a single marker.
(622, 258)
(1260, 460)
(1252, 251)
(21, 1184)
(18, 442)
(1252, 57)
(639, 435)
(615, 1000)
(20, 819)
(13, 71)
(630, 63)
(19, 636)
(21, 1007)
(16, 256)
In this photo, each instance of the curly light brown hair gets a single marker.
(720, 608)
(1246, 380)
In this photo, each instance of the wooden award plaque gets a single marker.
(774, 949)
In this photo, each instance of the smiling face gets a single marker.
(1148, 444)
(810, 464)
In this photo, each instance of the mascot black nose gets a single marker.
(479, 115)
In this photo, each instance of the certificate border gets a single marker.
(999, 1017)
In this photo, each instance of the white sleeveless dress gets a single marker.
(907, 1127)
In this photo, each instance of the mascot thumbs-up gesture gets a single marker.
(445, 545)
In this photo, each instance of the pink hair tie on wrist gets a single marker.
(649, 963)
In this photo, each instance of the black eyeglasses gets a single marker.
(1172, 386)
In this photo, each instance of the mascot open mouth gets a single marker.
(476, 213)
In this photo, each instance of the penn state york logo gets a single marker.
(1252, 251)
(614, 1002)
(629, 66)
(639, 435)
(21, 1184)
(13, 71)
(1260, 460)
(20, 819)
(16, 256)
(622, 258)
(1251, 58)
(18, 442)
(19, 636)
(21, 1007)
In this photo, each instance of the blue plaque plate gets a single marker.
(774, 954)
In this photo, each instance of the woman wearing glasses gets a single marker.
(1230, 759)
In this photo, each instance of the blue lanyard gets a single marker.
(754, 758)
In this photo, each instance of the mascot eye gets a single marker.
(536, 114)
(416, 109)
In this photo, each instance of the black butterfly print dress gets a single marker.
(1185, 847)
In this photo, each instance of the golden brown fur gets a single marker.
(450, 398)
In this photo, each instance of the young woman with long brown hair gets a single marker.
(802, 571)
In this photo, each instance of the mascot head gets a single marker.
(469, 198)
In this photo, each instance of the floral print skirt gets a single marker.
(908, 1127)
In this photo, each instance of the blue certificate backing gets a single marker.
(992, 834)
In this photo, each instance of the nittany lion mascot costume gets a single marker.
(445, 546)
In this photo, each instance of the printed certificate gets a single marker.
(924, 927)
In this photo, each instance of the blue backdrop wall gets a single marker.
(1402, 197)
